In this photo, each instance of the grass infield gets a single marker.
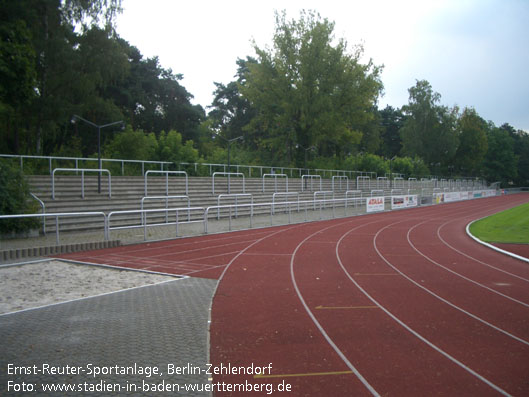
(511, 226)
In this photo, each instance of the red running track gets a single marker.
(400, 303)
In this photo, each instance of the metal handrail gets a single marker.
(286, 194)
(228, 174)
(323, 193)
(145, 212)
(353, 192)
(166, 179)
(311, 177)
(83, 170)
(358, 178)
(58, 215)
(167, 203)
(43, 211)
(340, 178)
(236, 196)
(77, 159)
(275, 180)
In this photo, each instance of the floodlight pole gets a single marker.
(99, 127)
(230, 141)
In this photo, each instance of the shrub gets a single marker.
(15, 199)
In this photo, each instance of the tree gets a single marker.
(17, 74)
(500, 160)
(309, 90)
(472, 143)
(430, 129)
(392, 120)
(231, 111)
(521, 152)
(152, 98)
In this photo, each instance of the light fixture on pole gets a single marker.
(230, 141)
(99, 127)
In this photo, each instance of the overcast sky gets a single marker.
(474, 53)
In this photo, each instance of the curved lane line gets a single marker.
(405, 326)
(316, 322)
(456, 273)
(471, 257)
(440, 297)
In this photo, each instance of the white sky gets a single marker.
(473, 52)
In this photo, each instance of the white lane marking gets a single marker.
(458, 274)
(317, 323)
(475, 259)
(441, 298)
(413, 332)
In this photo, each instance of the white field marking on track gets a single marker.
(201, 240)
(409, 329)
(458, 274)
(475, 259)
(163, 262)
(127, 255)
(441, 298)
(317, 323)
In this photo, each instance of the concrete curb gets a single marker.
(492, 246)
(21, 253)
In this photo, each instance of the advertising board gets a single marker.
(374, 204)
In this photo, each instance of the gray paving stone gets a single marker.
(149, 326)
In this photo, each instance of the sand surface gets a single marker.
(38, 284)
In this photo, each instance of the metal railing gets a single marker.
(323, 193)
(166, 179)
(340, 178)
(347, 193)
(58, 215)
(234, 196)
(203, 213)
(83, 170)
(166, 198)
(228, 174)
(77, 160)
(285, 194)
(275, 180)
(43, 206)
(143, 215)
(311, 177)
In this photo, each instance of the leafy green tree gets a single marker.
(500, 160)
(472, 143)
(430, 129)
(131, 144)
(521, 152)
(15, 199)
(231, 111)
(151, 97)
(392, 120)
(170, 147)
(17, 75)
(308, 92)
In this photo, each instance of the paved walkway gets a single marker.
(124, 334)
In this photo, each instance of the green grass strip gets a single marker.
(510, 226)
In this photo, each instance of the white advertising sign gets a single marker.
(374, 204)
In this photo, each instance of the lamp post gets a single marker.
(99, 127)
(230, 141)
(391, 171)
(306, 149)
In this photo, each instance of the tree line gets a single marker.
(308, 100)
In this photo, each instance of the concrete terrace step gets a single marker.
(127, 193)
